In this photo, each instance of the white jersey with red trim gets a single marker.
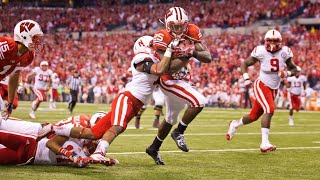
(271, 64)
(44, 156)
(17, 125)
(142, 84)
(55, 83)
(42, 78)
(296, 87)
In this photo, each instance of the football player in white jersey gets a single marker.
(146, 69)
(42, 81)
(296, 87)
(273, 58)
(54, 95)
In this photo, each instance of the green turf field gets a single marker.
(211, 155)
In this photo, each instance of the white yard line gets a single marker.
(218, 150)
(220, 134)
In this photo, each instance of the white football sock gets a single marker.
(102, 147)
(62, 130)
(265, 135)
(238, 123)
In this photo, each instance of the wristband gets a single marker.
(245, 76)
(168, 53)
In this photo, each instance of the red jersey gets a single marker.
(10, 61)
(162, 38)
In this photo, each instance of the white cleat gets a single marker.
(291, 123)
(99, 158)
(32, 115)
(267, 147)
(231, 131)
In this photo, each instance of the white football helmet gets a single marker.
(29, 33)
(176, 20)
(143, 45)
(273, 40)
(96, 117)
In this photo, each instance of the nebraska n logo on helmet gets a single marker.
(29, 33)
(176, 20)
(143, 45)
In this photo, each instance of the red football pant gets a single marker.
(19, 147)
(264, 102)
(295, 102)
(124, 107)
(41, 94)
(4, 94)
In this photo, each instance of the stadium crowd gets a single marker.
(104, 63)
(106, 15)
(104, 60)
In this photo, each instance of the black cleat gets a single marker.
(155, 154)
(179, 139)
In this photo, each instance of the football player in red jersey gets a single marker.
(178, 91)
(17, 53)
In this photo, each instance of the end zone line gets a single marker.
(217, 150)
(220, 134)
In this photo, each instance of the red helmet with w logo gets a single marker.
(29, 33)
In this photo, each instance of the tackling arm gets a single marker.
(55, 143)
(13, 84)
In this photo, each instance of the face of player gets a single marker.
(44, 67)
(178, 28)
(37, 43)
(273, 45)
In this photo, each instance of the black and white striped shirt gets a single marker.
(74, 83)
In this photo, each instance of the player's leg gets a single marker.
(19, 149)
(35, 104)
(173, 107)
(265, 96)
(138, 117)
(74, 99)
(158, 97)
(196, 102)
(291, 123)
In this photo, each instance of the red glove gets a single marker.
(66, 153)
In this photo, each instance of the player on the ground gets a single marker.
(273, 58)
(70, 148)
(296, 87)
(42, 80)
(178, 91)
(54, 95)
(17, 53)
(146, 69)
(158, 98)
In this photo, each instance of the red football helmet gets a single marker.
(273, 40)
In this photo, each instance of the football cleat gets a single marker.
(99, 158)
(45, 131)
(32, 115)
(267, 147)
(232, 129)
(179, 139)
(155, 154)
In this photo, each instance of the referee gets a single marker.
(74, 84)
